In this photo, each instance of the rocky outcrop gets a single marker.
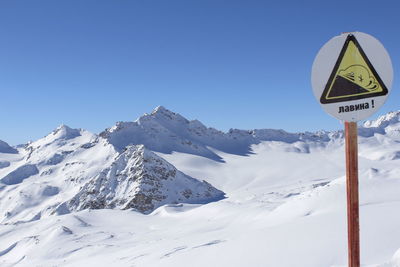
(139, 179)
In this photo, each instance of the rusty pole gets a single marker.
(353, 228)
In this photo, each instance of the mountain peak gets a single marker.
(161, 109)
(166, 131)
(142, 180)
(161, 114)
(63, 127)
(65, 132)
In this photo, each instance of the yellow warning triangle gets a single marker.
(353, 76)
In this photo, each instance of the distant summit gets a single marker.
(385, 124)
(65, 132)
(390, 118)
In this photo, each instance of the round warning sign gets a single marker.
(352, 76)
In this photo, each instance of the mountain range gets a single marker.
(174, 175)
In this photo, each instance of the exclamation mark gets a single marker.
(373, 104)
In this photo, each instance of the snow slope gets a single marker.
(284, 206)
(6, 148)
(49, 171)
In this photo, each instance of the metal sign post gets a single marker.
(352, 75)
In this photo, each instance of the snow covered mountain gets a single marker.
(125, 197)
(141, 180)
(49, 171)
(166, 131)
(72, 169)
(388, 124)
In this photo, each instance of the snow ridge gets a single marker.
(390, 118)
(166, 131)
(387, 124)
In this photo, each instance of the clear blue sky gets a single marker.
(231, 64)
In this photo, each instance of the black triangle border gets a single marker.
(352, 38)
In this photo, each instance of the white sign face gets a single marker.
(352, 76)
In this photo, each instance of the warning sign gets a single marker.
(353, 76)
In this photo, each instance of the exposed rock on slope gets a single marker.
(141, 180)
